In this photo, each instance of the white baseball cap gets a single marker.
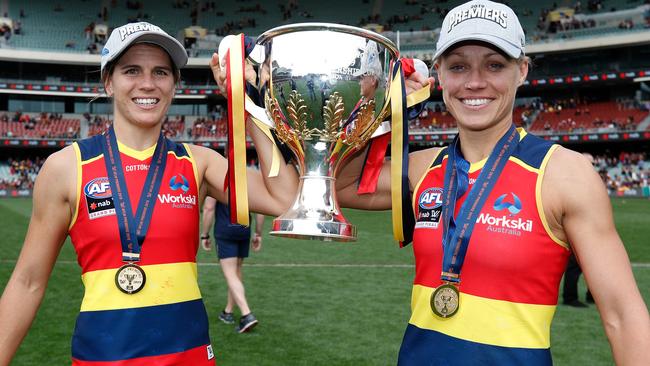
(486, 21)
(123, 37)
(370, 62)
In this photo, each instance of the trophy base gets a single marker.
(315, 230)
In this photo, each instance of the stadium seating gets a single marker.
(64, 128)
(588, 117)
(42, 25)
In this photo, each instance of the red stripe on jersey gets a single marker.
(173, 233)
(196, 357)
(510, 255)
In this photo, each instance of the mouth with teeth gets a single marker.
(146, 102)
(475, 102)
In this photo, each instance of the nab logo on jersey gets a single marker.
(513, 207)
(99, 198)
(98, 188)
(431, 198)
(175, 183)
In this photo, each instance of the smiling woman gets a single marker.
(130, 207)
(487, 278)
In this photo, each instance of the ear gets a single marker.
(523, 72)
(109, 88)
(438, 69)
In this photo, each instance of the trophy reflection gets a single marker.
(326, 90)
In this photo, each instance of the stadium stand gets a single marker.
(87, 23)
(53, 96)
(19, 174)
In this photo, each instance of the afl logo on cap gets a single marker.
(431, 198)
(98, 188)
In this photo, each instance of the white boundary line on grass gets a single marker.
(305, 265)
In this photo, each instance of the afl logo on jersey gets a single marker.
(98, 188)
(99, 198)
(431, 198)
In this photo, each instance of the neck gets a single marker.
(137, 138)
(477, 145)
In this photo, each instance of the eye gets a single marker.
(496, 66)
(161, 72)
(131, 71)
(457, 68)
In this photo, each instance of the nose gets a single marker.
(476, 80)
(147, 82)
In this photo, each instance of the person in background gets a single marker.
(233, 243)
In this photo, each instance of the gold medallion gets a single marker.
(130, 278)
(445, 301)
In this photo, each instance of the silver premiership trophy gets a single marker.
(326, 89)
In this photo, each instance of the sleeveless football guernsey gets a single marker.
(510, 277)
(165, 323)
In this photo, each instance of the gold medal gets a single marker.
(445, 300)
(130, 278)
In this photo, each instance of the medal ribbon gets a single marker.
(402, 212)
(133, 229)
(457, 231)
(235, 85)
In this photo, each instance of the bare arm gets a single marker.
(268, 195)
(350, 172)
(51, 214)
(207, 219)
(579, 203)
(346, 185)
(257, 235)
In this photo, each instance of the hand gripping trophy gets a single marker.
(327, 90)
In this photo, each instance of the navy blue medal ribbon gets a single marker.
(457, 230)
(133, 229)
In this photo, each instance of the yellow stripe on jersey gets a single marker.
(414, 200)
(538, 198)
(136, 154)
(190, 158)
(522, 164)
(100, 156)
(165, 284)
(487, 321)
(78, 163)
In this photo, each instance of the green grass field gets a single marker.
(318, 303)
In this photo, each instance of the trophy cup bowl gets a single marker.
(325, 88)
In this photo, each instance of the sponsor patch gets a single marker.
(430, 208)
(99, 198)
(210, 352)
(506, 224)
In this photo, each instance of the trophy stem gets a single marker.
(315, 213)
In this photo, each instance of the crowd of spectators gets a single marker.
(21, 173)
(38, 125)
(625, 171)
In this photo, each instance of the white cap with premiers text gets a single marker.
(123, 37)
(486, 21)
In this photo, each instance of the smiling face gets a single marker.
(142, 85)
(479, 85)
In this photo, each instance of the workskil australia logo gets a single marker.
(507, 223)
(180, 199)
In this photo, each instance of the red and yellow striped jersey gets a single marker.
(165, 323)
(510, 277)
